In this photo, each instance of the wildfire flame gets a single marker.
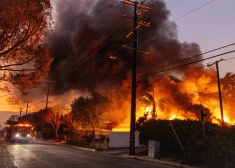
(122, 128)
(148, 113)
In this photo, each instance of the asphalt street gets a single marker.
(21, 155)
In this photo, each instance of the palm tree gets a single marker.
(148, 99)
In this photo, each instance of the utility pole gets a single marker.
(219, 89)
(154, 106)
(20, 111)
(141, 7)
(27, 106)
(49, 84)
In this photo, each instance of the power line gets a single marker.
(172, 3)
(99, 48)
(116, 47)
(229, 59)
(115, 84)
(169, 22)
(193, 10)
(106, 89)
(69, 69)
(189, 58)
(188, 63)
(100, 57)
(76, 48)
(176, 4)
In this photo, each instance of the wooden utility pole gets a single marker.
(49, 84)
(27, 106)
(219, 90)
(140, 7)
(154, 106)
(20, 111)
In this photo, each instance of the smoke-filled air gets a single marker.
(86, 43)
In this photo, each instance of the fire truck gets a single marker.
(16, 131)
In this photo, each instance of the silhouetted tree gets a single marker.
(24, 60)
(54, 117)
(92, 111)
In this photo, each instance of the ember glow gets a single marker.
(182, 99)
(148, 112)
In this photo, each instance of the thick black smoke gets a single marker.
(95, 30)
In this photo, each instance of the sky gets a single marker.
(211, 27)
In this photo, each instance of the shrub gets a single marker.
(216, 149)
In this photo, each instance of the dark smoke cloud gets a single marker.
(102, 22)
(94, 30)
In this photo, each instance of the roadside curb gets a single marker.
(82, 148)
(144, 158)
(163, 162)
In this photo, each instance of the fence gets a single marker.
(87, 136)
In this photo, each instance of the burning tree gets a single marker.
(148, 99)
(54, 117)
(24, 60)
(92, 111)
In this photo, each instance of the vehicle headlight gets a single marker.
(17, 135)
(28, 135)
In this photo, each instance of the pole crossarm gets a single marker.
(146, 52)
(132, 3)
(139, 23)
(209, 65)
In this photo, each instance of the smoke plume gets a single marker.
(87, 33)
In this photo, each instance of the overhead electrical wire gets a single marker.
(176, 4)
(114, 47)
(76, 49)
(228, 59)
(143, 76)
(172, 3)
(80, 58)
(188, 63)
(189, 58)
(170, 21)
(193, 10)
(104, 51)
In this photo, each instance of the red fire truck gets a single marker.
(18, 132)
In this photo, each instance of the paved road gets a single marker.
(61, 156)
